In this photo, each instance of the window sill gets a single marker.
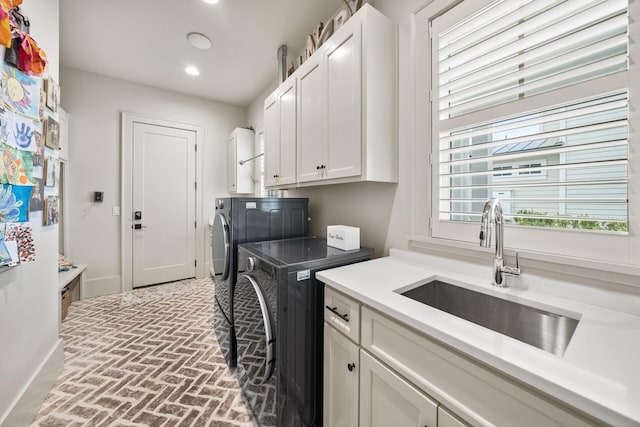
(616, 273)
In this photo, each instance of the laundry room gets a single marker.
(310, 213)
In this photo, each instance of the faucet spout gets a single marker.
(492, 213)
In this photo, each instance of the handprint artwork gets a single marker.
(24, 136)
(19, 132)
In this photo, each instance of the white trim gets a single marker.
(622, 250)
(610, 272)
(126, 162)
(31, 397)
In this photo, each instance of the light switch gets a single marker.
(115, 210)
(98, 196)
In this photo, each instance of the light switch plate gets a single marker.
(115, 210)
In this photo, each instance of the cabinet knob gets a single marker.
(351, 367)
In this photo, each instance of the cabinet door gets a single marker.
(343, 73)
(232, 159)
(386, 399)
(271, 141)
(288, 132)
(340, 380)
(446, 419)
(311, 128)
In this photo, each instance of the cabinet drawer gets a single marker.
(343, 313)
(479, 395)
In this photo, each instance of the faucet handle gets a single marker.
(513, 271)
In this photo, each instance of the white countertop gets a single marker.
(599, 373)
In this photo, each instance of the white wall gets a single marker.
(382, 211)
(29, 305)
(94, 104)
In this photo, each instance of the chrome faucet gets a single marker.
(492, 212)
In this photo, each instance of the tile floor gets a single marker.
(144, 358)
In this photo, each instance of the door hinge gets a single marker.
(195, 263)
(195, 224)
(195, 147)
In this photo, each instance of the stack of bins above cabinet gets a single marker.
(345, 111)
(280, 136)
(240, 148)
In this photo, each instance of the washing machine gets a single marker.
(278, 309)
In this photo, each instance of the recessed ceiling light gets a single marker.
(199, 40)
(191, 70)
(211, 1)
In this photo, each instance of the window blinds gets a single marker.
(532, 106)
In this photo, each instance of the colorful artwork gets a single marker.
(14, 203)
(20, 132)
(23, 235)
(16, 166)
(21, 93)
(51, 210)
(51, 133)
(5, 256)
(37, 196)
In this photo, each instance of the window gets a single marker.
(529, 99)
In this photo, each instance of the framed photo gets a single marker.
(50, 171)
(51, 211)
(52, 94)
(51, 133)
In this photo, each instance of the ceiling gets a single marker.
(145, 41)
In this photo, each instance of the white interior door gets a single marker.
(164, 193)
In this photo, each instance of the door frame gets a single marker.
(126, 190)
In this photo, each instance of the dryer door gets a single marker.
(255, 331)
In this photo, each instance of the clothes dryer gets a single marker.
(246, 219)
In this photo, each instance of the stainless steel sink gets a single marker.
(548, 331)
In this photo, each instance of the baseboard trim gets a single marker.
(29, 401)
(101, 286)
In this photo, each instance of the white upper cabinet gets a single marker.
(240, 147)
(280, 133)
(346, 103)
(311, 129)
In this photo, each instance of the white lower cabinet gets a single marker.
(341, 368)
(404, 378)
(386, 399)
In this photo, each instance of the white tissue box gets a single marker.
(343, 237)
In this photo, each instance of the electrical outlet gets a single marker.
(115, 210)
